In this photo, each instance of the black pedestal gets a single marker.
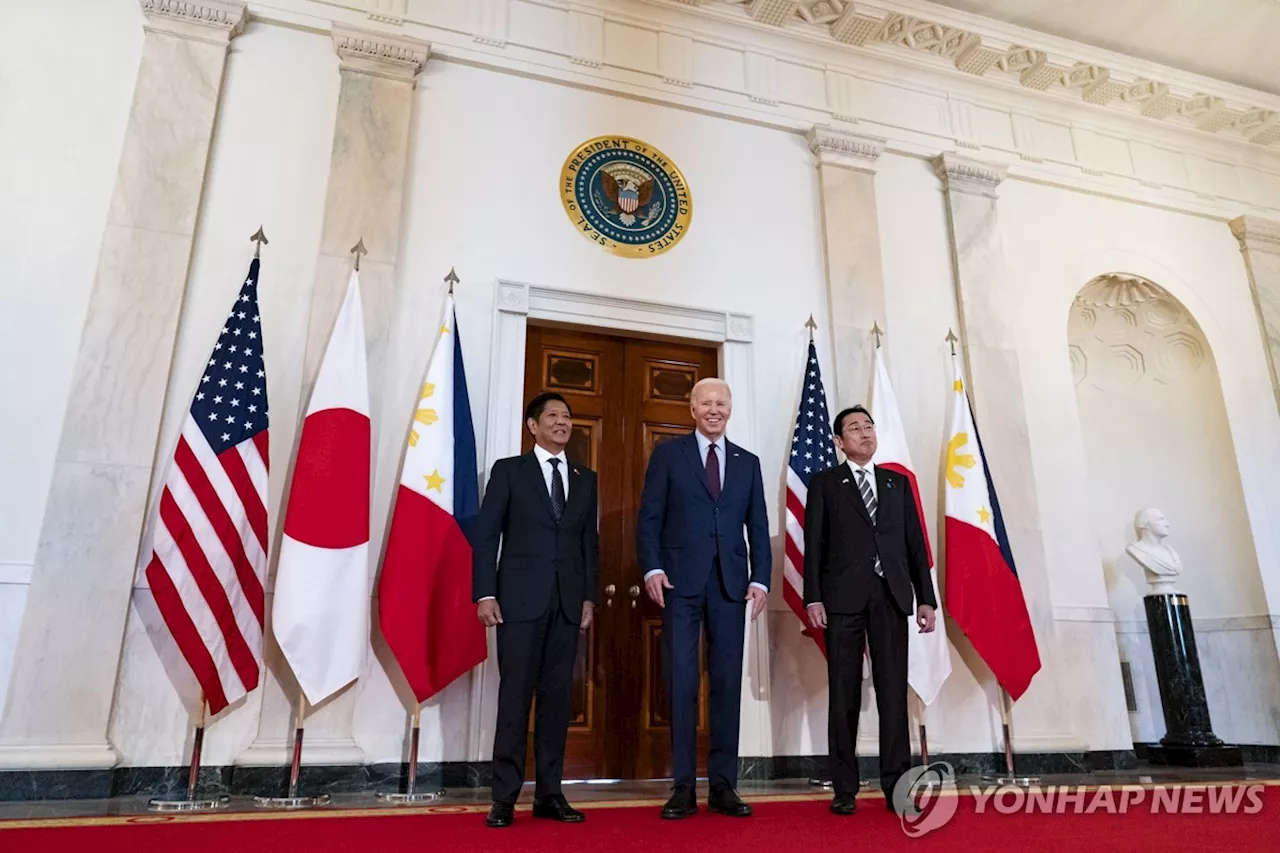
(1189, 740)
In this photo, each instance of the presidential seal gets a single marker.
(626, 196)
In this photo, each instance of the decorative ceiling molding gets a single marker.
(380, 54)
(960, 174)
(1256, 234)
(217, 21)
(865, 25)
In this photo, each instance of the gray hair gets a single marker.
(707, 383)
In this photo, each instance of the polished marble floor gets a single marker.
(606, 794)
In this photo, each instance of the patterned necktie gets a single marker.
(713, 472)
(557, 490)
(869, 498)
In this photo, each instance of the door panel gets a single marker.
(627, 396)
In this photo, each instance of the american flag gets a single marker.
(210, 533)
(812, 451)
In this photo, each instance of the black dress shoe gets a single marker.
(500, 815)
(726, 801)
(682, 804)
(844, 804)
(556, 807)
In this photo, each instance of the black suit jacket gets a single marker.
(841, 544)
(540, 558)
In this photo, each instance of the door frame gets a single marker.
(515, 304)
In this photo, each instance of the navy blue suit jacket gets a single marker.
(681, 530)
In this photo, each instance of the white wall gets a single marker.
(483, 199)
(1056, 242)
(485, 157)
(268, 165)
(57, 171)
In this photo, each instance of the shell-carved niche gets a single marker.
(1126, 330)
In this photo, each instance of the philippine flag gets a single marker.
(320, 616)
(424, 594)
(984, 596)
(928, 655)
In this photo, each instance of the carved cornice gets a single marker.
(863, 25)
(850, 150)
(960, 174)
(217, 21)
(1256, 234)
(380, 54)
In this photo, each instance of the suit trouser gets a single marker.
(534, 658)
(682, 621)
(885, 626)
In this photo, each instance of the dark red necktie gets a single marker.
(713, 472)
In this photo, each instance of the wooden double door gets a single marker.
(627, 395)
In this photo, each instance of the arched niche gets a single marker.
(1156, 434)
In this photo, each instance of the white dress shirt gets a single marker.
(704, 447)
(544, 462)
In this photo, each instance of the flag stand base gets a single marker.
(205, 805)
(1009, 776)
(411, 795)
(191, 803)
(410, 799)
(291, 800)
(827, 784)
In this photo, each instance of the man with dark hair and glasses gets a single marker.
(864, 560)
(541, 593)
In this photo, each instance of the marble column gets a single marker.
(1260, 245)
(364, 201)
(851, 239)
(64, 671)
(988, 301)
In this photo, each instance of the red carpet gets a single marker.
(780, 826)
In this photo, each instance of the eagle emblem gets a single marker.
(629, 189)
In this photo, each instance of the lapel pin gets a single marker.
(845, 480)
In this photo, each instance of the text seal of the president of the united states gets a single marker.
(626, 196)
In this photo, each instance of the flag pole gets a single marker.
(917, 711)
(191, 803)
(1010, 776)
(259, 238)
(291, 800)
(411, 794)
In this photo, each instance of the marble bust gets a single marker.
(1158, 559)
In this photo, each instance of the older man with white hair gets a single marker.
(700, 493)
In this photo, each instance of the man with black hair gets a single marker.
(541, 594)
(864, 558)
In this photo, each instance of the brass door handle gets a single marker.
(634, 592)
(608, 595)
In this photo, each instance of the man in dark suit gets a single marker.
(540, 595)
(700, 491)
(864, 554)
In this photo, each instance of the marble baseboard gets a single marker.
(1253, 753)
(965, 764)
(171, 782)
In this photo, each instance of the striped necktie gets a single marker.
(869, 498)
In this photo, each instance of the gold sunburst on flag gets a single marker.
(426, 417)
(957, 460)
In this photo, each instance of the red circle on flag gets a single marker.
(329, 498)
